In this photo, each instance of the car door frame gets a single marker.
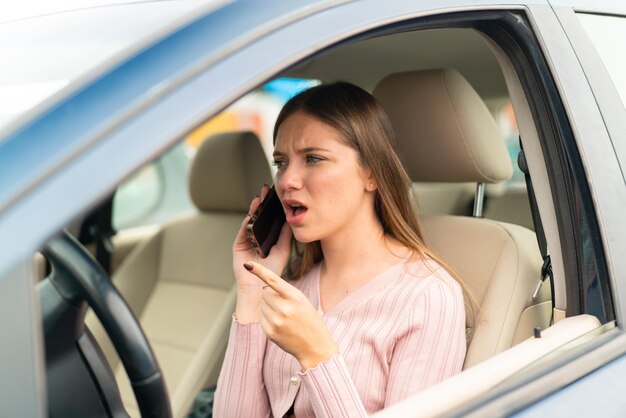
(612, 110)
(173, 99)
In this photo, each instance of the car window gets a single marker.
(158, 192)
(606, 33)
(153, 195)
(254, 112)
(136, 198)
(505, 116)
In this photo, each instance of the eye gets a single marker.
(279, 164)
(313, 159)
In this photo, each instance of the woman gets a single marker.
(370, 315)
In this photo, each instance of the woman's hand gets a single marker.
(291, 322)
(248, 285)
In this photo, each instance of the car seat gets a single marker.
(180, 282)
(445, 133)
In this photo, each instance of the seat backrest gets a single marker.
(439, 198)
(445, 133)
(180, 282)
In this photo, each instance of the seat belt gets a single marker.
(546, 268)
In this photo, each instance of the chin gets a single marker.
(304, 237)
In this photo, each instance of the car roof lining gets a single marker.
(410, 51)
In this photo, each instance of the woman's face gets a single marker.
(323, 188)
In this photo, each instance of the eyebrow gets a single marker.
(302, 151)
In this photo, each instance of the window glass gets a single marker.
(607, 34)
(505, 117)
(136, 198)
(159, 191)
(156, 193)
(254, 112)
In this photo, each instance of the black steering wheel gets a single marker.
(80, 381)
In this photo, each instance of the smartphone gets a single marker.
(265, 225)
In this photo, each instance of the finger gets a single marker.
(264, 191)
(285, 235)
(272, 298)
(265, 324)
(284, 239)
(273, 316)
(270, 278)
(267, 311)
(254, 204)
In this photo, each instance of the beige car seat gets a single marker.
(180, 282)
(445, 133)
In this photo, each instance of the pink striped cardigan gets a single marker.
(401, 332)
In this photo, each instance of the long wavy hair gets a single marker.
(364, 126)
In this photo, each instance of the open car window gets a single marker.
(502, 54)
(505, 202)
(159, 192)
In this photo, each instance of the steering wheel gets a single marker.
(74, 361)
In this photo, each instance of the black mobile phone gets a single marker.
(266, 222)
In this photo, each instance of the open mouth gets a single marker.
(296, 209)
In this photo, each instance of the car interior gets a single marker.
(445, 91)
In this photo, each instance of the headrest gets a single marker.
(445, 133)
(228, 170)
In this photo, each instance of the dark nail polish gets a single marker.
(248, 266)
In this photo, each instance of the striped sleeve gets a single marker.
(331, 390)
(240, 389)
(432, 345)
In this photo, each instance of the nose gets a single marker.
(289, 178)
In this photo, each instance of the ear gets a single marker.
(370, 182)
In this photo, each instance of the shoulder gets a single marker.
(434, 305)
(431, 283)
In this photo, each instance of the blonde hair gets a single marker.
(364, 126)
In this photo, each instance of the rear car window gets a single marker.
(607, 34)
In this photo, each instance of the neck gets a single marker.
(356, 247)
(354, 256)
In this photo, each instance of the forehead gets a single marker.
(301, 130)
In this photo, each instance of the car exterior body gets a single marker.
(62, 156)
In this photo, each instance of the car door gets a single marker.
(241, 45)
(594, 31)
